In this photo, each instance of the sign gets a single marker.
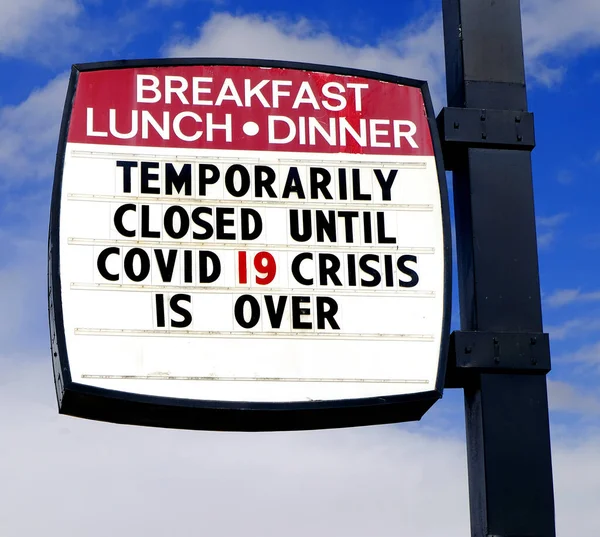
(247, 245)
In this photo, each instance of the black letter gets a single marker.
(204, 180)
(126, 165)
(204, 256)
(320, 185)
(245, 215)
(293, 184)
(348, 216)
(351, 270)
(331, 271)
(306, 225)
(208, 230)
(147, 176)
(187, 266)
(230, 180)
(178, 180)
(254, 311)
(160, 310)
(296, 268)
(324, 225)
(298, 311)
(368, 234)
(102, 257)
(118, 219)
(144, 264)
(326, 315)
(381, 238)
(275, 315)
(356, 193)
(175, 306)
(343, 186)
(146, 232)
(167, 267)
(364, 266)
(414, 277)
(386, 184)
(221, 222)
(260, 183)
(389, 270)
(184, 222)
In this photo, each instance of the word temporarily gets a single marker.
(258, 181)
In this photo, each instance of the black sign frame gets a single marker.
(76, 399)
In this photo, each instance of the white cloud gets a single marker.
(573, 328)
(577, 486)
(415, 52)
(588, 355)
(544, 240)
(29, 134)
(24, 21)
(562, 297)
(95, 479)
(558, 28)
(23, 288)
(548, 226)
(551, 221)
(555, 31)
(565, 397)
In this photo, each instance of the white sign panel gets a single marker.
(249, 246)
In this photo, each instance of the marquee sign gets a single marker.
(247, 245)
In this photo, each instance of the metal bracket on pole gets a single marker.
(495, 352)
(462, 128)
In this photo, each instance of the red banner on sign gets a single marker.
(249, 108)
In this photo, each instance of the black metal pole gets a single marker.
(501, 356)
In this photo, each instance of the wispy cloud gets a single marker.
(588, 355)
(565, 397)
(562, 297)
(29, 134)
(573, 328)
(60, 32)
(24, 22)
(552, 221)
(556, 30)
(548, 227)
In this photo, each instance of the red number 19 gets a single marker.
(264, 264)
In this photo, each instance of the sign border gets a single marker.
(114, 406)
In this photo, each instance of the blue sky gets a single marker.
(408, 479)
